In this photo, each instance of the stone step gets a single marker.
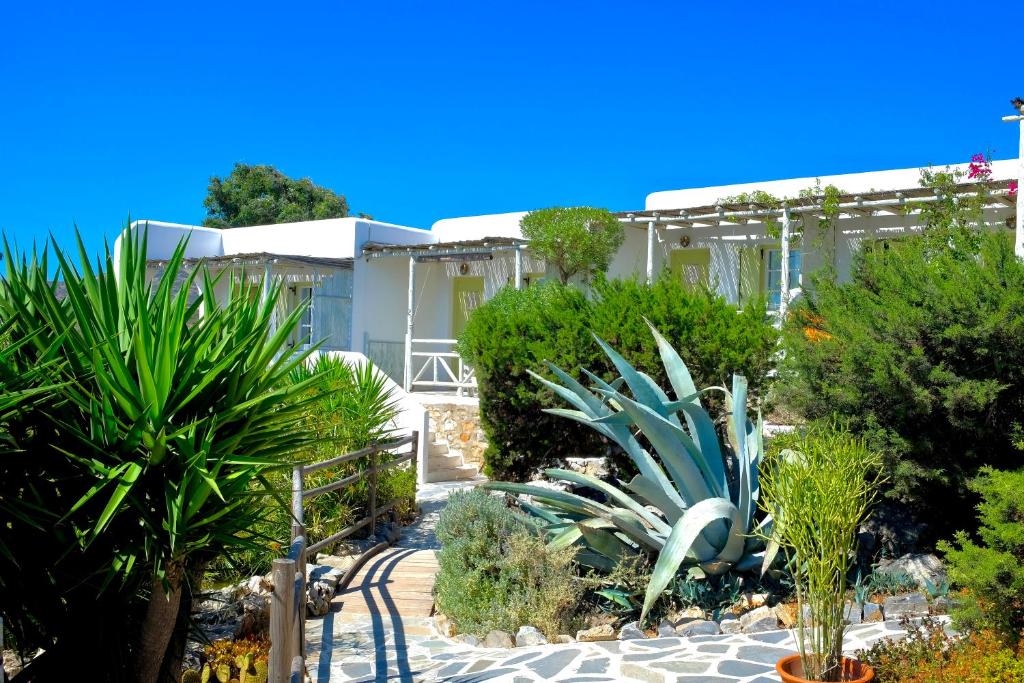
(444, 462)
(437, 448)
(452, 474)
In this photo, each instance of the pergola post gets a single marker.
(1018, 238)
(265, 296)
(409, 325)
(519, 266)
(784, 265)
(650, 251)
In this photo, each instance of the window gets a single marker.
(774, 275)
(304, 296)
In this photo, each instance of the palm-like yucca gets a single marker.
(683, 507)
(172, 411)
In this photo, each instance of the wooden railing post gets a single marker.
(415, 454)
(282, 615)
(373, 491)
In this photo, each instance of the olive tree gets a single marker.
(579, 240)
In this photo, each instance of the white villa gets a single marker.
(401, 295)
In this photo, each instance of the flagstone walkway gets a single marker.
(380, 630)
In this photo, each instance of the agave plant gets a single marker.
(682, 508)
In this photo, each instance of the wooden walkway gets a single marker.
(398, 581)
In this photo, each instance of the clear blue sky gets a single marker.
(422, 110)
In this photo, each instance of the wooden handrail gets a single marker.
(288, 602)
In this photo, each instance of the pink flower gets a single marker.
(1012, 193)
(980, 167)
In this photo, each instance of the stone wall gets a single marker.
(458, 425)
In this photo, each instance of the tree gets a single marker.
(262, 195)
(578, 240)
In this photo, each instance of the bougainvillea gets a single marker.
(980, 167)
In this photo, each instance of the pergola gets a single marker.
(905, 202)
(442, 252)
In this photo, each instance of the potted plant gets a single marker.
(818, 493)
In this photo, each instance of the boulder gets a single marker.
(596, 633)
(528, 636)
(873, 612)
(666, 629)
(563, 639)
(759, 620)
(786, 614)
(318, 598)
(467, 639)
(907, 604)
(853, 612)
(729, 623)
(921, 567)
(326, 574)
(697, 627)
(498, 639)
(940, 605)
(594, 467)
(631, 631)
(444, 625)
(259, 585)
(255, 617)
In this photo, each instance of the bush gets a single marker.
(496, 573)
(992, 571)
(517, 330)
(931, 655)
(352, 408)
(920, 353)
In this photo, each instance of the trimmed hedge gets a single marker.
(518, 330)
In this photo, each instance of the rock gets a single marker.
(907, 604)
(697, 627)
(873, 612)
(940, 605)
(754, 600)
(666, 629)
(259, 585)
(729, 623)
(759, 620)
(528, 636)
(326, 574)
(786, 614)
(444, 625)
(631, 631)
(391, 532)
(255, 616)
(921, 567)
(594, 467)
(852, 613)
(467, 639)
(563, 639)
(498, 639)
(318, 598)
(595, 634)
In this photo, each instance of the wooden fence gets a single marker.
(288, 602)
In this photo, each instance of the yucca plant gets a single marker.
(172, 412)
(682, 508)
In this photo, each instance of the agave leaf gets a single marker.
(656, 496)
(684, 533)
(634, 529)
(569, 500)
(606, 543)
(613, 493)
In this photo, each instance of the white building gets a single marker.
(401, 295)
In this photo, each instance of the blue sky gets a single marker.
(422, 110)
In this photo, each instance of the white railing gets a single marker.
(433, 369)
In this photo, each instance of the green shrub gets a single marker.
(496, 573)
(514, 332)
(517, 330)
(920, 353)
(351, 408)
(992, 570)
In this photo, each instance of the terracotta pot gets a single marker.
(854, 671)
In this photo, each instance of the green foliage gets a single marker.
(516, 331)
(818, 494)
(147, 462)
(349, 408)
(891, 583)
(991, 568)
(578, 240)
(681, 508)
(919, 353)
(262, 195)
(495, 572)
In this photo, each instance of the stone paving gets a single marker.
(385, 646)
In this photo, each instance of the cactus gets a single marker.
(262, 671)
(205, 676)
(224, 673)
(191, 676)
